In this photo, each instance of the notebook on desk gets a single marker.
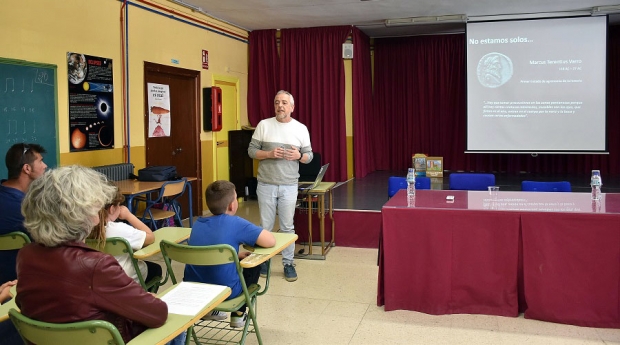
(304, 186)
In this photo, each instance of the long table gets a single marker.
(555, 256)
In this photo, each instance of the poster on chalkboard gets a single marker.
(91, 102)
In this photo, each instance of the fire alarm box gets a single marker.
(212, 108)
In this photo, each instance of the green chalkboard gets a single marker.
(28, 108)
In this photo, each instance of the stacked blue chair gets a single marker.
(538, 186)
(471, 181)
(395, 183)
(422, 183)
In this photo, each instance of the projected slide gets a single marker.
(536, 85)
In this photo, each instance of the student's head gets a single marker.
(108, 213)
(219, 195)
(25, 158)
(63, 205)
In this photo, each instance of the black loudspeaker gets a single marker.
(212, 109)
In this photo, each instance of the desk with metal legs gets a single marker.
(322, 189)
(172, 234)
(260, 254)
(176, 323)
(132, 188)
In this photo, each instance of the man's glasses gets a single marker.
(21, 160)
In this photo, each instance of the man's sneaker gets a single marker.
(289, 273)
(237, 320)
(264, 270)
(215, 315)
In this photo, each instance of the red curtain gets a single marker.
(420, 107)
(263, 75)
(311, 68)
(419, 99)
(363, 128)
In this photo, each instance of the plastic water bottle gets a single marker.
(410, 187)
(596, 182)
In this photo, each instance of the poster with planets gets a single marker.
(91, 102)
(159, 110)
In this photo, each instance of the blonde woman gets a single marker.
(63, 280)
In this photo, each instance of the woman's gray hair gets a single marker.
(60, 206)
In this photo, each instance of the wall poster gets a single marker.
(159, 110)
(91, 102)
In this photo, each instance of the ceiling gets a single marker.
(370, 15)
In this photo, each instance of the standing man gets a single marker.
(280, 143)
(24, 163)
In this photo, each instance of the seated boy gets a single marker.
(226, 228)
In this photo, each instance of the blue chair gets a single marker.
(395, 183)
(537, 186)
(471, 181)
(422, 183)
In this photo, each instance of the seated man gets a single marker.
(24, 163)
(226, 228)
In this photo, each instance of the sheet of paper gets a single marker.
(190, 298)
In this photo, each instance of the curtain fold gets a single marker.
(419, 98)
(263, 77)
(311, 68)
(363, 115)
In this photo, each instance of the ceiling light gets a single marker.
(456, 18)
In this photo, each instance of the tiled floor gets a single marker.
(334, 302)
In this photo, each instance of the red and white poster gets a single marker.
(159, 110)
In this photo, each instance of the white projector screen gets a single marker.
(537, 86)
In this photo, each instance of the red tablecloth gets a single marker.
(571, 268)
(465, 256)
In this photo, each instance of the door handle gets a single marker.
(178, 150)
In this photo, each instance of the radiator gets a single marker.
(116, 172)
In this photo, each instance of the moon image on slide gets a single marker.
(494, 70)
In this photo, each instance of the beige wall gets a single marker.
(44, 31)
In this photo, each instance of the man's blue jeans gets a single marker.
(280, 198)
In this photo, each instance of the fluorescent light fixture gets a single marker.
(527, 16)
(605, 10)
(456, 18)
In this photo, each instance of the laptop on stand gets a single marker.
(306, 186)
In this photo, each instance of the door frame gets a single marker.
(215, 78)
(195, 119)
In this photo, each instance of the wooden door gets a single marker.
(230, 121)
(182, 147)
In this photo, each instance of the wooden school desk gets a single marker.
(260, 254)
(133, 188)
(172, 234)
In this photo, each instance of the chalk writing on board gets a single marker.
(12, 85)
(43, 78)
(28, 107)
